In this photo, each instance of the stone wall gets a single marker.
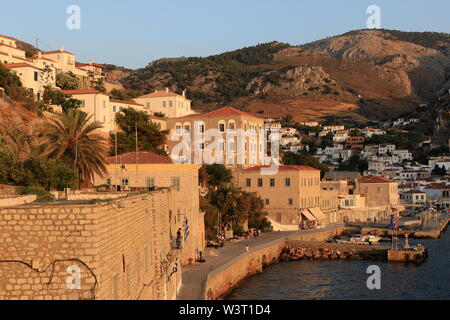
(15, 201)
(117, 247)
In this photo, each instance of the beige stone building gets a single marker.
(116, 249)
(227, 136)
(172, 105)
(96, 104)
(147, 171)
(30, 76)
(378, 191)
(288, 195)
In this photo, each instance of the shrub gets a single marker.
(41, 193)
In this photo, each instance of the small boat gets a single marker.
(364, 239)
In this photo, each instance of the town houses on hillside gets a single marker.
(40, 70)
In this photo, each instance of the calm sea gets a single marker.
(341, 279)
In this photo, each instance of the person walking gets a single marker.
(179, 239)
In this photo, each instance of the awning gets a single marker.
(317, 213)
(308, 215)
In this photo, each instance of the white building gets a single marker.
(170, 104)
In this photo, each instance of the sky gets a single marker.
(135, 32)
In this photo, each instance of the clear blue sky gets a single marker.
(132, 33)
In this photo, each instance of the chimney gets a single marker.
(184, 93)
(39, 55)
(61, 49)
(167, 89)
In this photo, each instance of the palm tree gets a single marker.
(72, 138)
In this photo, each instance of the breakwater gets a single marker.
(302, 250)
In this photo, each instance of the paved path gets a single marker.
(194, 277)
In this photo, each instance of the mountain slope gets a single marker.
(361, 75)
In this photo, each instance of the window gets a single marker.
(267, 202)
(231, 126)
(108, 182)
(202, 128)
(125, 182)
(260, 183)
(175, 183)
(187, 128)
(170, 104)
(114, 108)
(202, 146)
(222, 127)
(272, 183)
(164, 104)
(150, 183)
(291, 202)
(288, 182)
(36, 76)
(249, 183)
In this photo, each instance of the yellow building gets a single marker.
(290, 196)
(30, 76)
(147, 171)
(172, 105)
(96, 104)
(227, 136)
(378, 191)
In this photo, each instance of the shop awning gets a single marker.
(317, 213)
(308, 215)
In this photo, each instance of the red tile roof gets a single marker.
(2, 36)
(82, 91)
(414, 191)
(284, 168)
(438, 186)
(19, 65)
(142, 157)
(57, 51)
(223, 112)
(157, 94)
(375, 179)
(126, 102)
(156, 118)
(90, 64)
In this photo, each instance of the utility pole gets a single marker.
(137, 152)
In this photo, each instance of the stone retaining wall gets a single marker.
(116, 247)
(17, 201)
(223, 279)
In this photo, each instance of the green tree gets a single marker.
(55, 97)
(355, 163)
(67, 81)
(73, 139)
(8, 80)
(150, 137)
(291, 158)
(218, 175)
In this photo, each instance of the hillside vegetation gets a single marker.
(361, 75)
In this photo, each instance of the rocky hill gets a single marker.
(361, 75)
